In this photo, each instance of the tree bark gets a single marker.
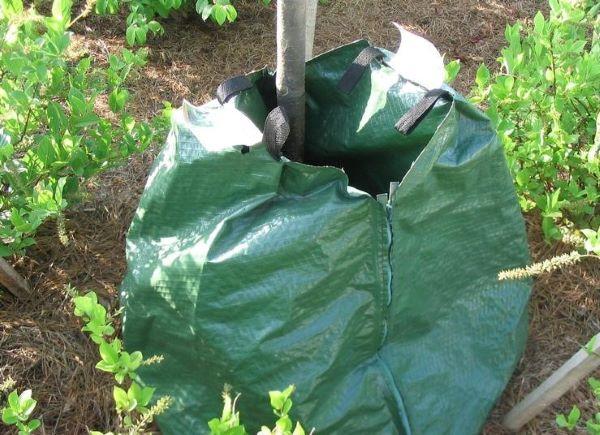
(311, 20)
(291, 53)
(12, 281)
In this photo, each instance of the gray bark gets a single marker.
(311, 19)
(291, 52)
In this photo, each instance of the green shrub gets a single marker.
(544, 102)
(143, 13)
(132, 398)
(51, 135)
(281, 403)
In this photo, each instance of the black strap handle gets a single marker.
(411, 119)
(276, 132)
(231, 87)
(356, 70)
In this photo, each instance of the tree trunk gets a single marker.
(291, 53)
(311, 19)
(12, 281)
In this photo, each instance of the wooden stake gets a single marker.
(567, 376)
(12, 281)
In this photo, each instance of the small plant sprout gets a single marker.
(229, 423)
(452, 69)
(281, 403)
(18, 412)
(94, 315)
(569, 422)
(132, 401)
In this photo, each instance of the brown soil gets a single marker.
(41, 345)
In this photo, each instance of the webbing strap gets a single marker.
(355, 71)
(411, 119)
(231, 87)
(276, 131)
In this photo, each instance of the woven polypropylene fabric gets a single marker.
(259, 273)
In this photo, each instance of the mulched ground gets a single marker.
(41, 345)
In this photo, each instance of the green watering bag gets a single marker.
(385, 311)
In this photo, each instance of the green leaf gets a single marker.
(155, 27)
(237, 430)
(101, 6)
(11, 7)
(561, 421)
(58, 192)
(107, 7)
(6, 148)
(482, 76)
(288, 391)
(201, 5)
(45, 151)
(122, 401)
(207, 12)
(117, 99)
(56, 118)
(538, 22)
(298, 430)
(592, 240)
(135, 360)
(287, 406)
(451, 71)
(595, 386)
(5, 251)
(219, 14)
(61, 10)
(574, 416)
(284, 424)
(214, 425)
(569, 422)
(13, 400)
(551, 231)
(130, 35)
(277, 399)
(109, 352)
(231, 13)
(27, 404)
(9, 416)
(146, 396)
(34, 424)
(555, 6)
(140, 34)
(77, 102)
